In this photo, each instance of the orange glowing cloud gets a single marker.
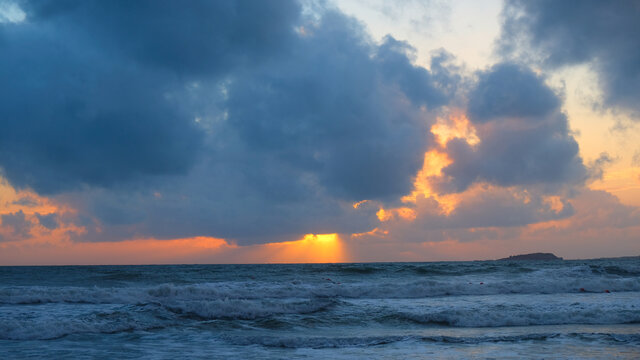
(376, 232)
(359, 203)
(434, 162)
(29, 206)
(403, 213)
(455, 125)
(12, 200)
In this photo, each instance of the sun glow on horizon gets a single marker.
(312, 248)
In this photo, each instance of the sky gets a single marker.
(155, 132)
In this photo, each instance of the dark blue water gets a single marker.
(557, 309)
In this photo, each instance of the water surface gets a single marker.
(443, 310)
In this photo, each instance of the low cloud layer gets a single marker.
(482, 210)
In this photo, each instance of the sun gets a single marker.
(312, 248)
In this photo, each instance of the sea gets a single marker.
(578, 309)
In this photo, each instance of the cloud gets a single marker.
(596, 167)
(635, 161)
(76, 115)
(26, 201)
(352, 119)
(497, 207)
(249, 122)
(95, 95)
(49, 221)
(609, 212)
(260, 123)
(20, 226)
(10, 12)
(603, 34)
(476, 214)
(204, 38)
(510, 90)
(592, 224)
(524, 137)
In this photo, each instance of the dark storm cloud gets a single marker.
(222, 201)
(90, 90)
(602, 33)
(73, 115)
(303, 137)
(520, 144)
(394, 58)
(195, 38)
(336, 109)
(240, 120)
(510, 90)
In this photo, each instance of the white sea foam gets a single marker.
(555, 282)
(55, 321)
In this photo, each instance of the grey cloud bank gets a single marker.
(256, 122)
(234, 119)
(603, 34)
(524, 137)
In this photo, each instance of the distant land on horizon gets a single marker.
(533, 256)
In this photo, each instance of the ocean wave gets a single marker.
(522, 316)
(320, 288)
(54, 320)
(53, 325)
(245, 309)
(366, 341)
(328, 306)
(455, 269)
(627, 271)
